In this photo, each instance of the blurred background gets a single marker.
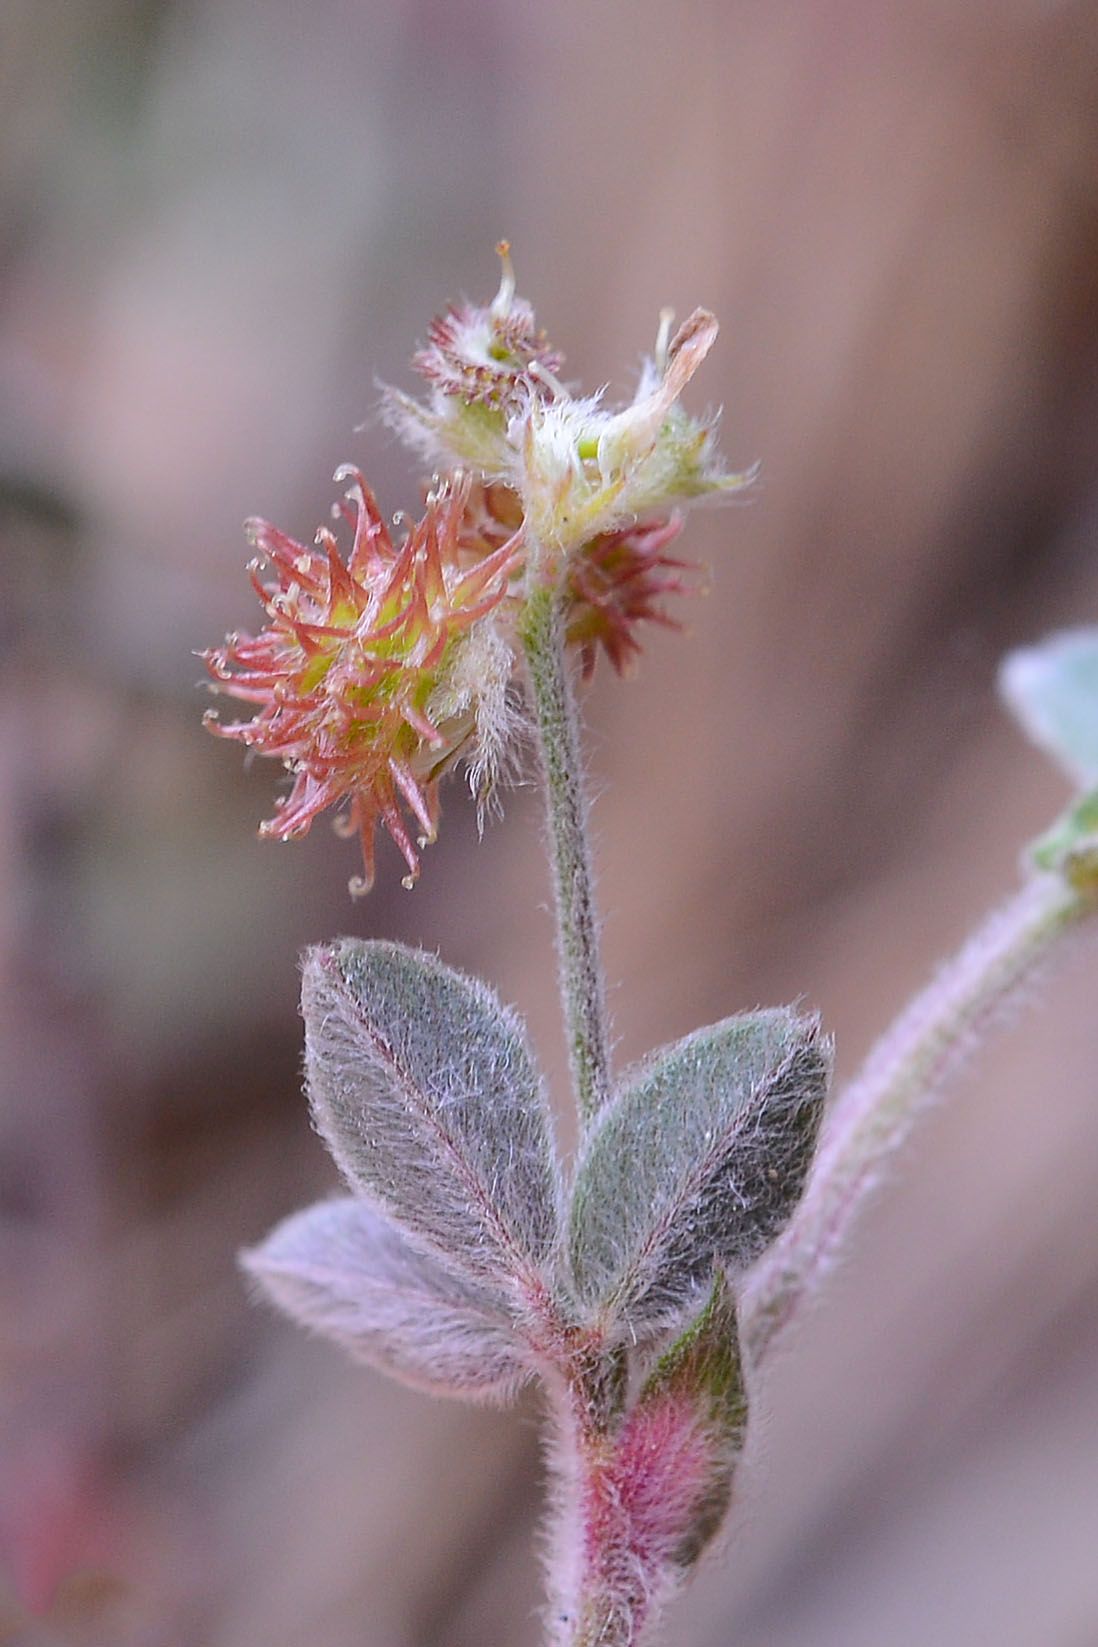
(220, 223)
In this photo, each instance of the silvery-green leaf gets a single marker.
(343, 1270)
(424, 1088)
(698, 1159)
(1053, 690)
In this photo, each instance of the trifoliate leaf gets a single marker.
(698, 1159)
(343, 1270)
(424, 1088)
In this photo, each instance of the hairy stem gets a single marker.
(904, 1073)
(602, 1594)
(582, 986)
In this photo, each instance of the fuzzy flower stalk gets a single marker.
(642, 1282)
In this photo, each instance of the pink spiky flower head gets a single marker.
(372, 676)
(618, 583)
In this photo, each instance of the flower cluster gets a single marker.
(374, 676)
(577, 469)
